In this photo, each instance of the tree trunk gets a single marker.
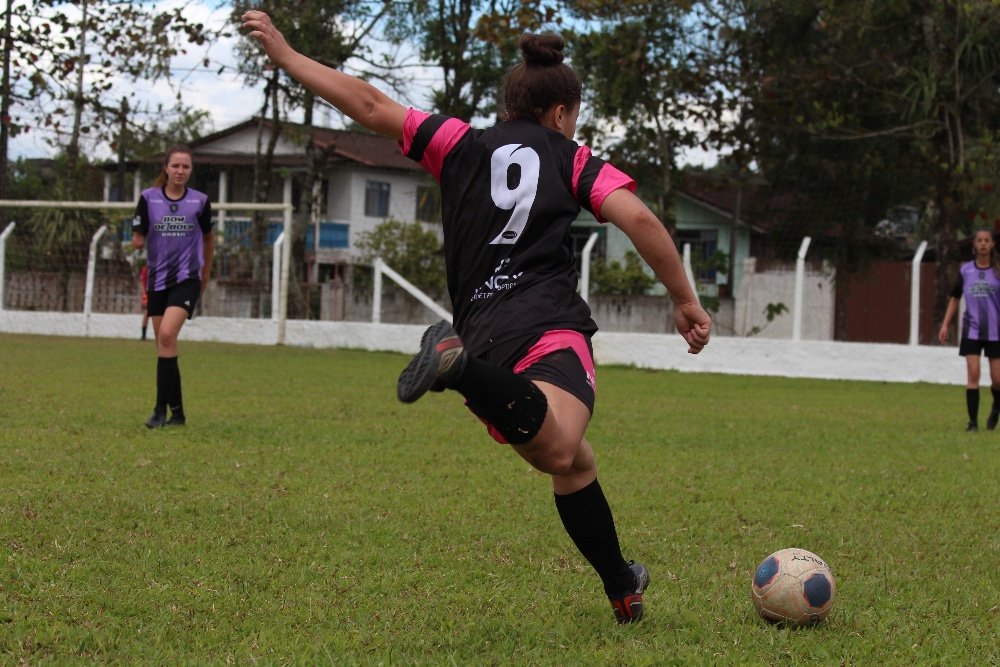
(263, 162)
(73, 149)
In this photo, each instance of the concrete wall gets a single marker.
(758, 289)
(742, 356)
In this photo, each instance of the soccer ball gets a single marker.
(794, 587)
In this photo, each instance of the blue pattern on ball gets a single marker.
(765, 572)
(817, 590)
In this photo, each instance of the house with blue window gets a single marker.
(363, 180)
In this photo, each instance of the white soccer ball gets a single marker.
(794, 587)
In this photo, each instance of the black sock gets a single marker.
(144, 333)
(168, 385)
(996, 399)
(587, 518)
(972, 403)
(510, 402)
(176, 402)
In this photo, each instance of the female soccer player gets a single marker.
(520, 348)
(174, 224)
(979, 283)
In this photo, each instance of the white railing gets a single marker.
(380, 269)
(285, 207)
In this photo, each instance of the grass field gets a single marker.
(304, 516)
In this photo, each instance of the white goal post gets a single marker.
(286, 248)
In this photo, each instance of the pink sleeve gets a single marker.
(608, 180)
(444, 139)
(411, 122)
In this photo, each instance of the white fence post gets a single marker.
(276, 258)
(88, 295)
(377, 293)
(3, 259)
(286, 261)
(588, 248)
(800, 281)
(690, 271)
(915, 294)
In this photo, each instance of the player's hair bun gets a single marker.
(542, 49)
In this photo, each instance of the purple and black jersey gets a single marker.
(981, 289)
(508, 196)
(173, 231)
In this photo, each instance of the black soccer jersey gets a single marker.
(508, 197)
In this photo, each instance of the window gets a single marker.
(376, 199)
(704, 244)
(428, 203)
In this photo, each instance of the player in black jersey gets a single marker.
(519, 350)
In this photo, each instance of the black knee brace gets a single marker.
(520, 420)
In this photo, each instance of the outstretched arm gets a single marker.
(657, 249)
(358, 99)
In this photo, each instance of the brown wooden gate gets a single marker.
(877, 305)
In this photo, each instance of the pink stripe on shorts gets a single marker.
(550, 342)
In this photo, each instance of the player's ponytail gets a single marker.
(161, 178)
(540, 81)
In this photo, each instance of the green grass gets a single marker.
(306, 517)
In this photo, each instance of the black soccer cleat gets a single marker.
(438, 364)
(991, 421)
(971, 427)
(176, 420)
(158, 419)
(628, 606)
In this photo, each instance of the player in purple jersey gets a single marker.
(174, 224)
(979, 284)
(519, 351)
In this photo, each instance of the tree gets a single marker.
(67, 56)
(655, 74)
(410, 249)
(330, 33)
(861, 106)
(622, 279)
(473, 42)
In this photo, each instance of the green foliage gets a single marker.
(56, 237)
(64, 70)
(630, 278)
(411, 249)
(305, 516)
(771, 312)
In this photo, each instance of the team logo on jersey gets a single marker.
(498, 282)
(173, 208)
(136, 222)
(173, 225)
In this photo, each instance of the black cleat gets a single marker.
(628, 607)
(440, 361)
(176, 420)
(991, 421)
(972, 427)
(158, 419)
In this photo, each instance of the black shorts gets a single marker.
(560, 357)
(977, 347)
(182, 295)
